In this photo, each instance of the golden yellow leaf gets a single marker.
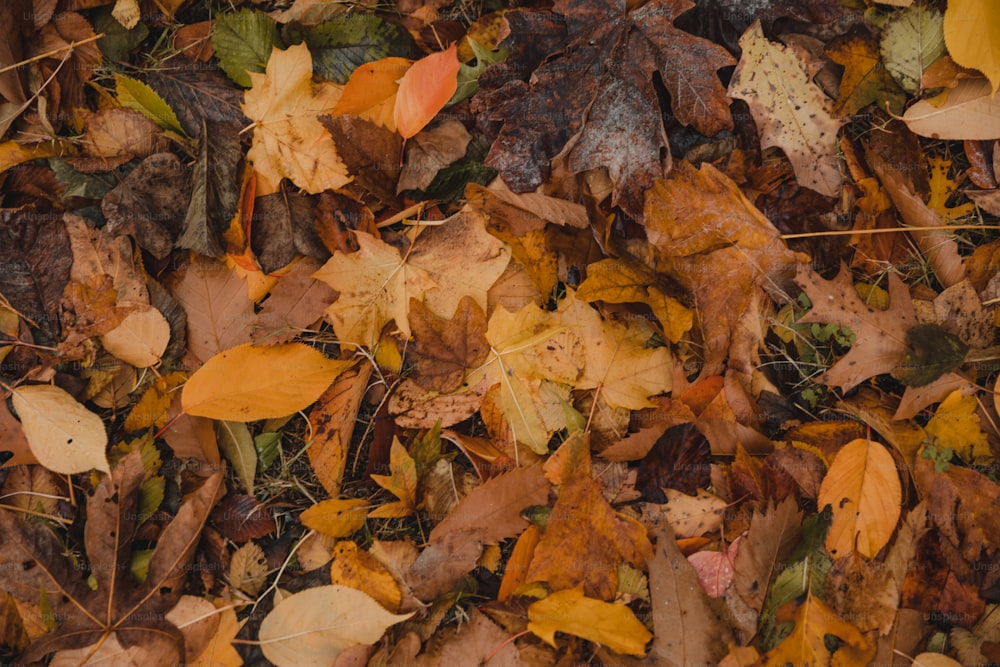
(370, 93)
(402, 483)
(288, 140)
(333, 419)
(613, 625)
(942, 188)
(63, 435)
(360, 570)
(863, 488)
(807, 644)
(956, 425)
(151, 410)
(617, 361)
(336, 517)
(246, 383)
(219, 652)
(140, 339)
(972, 35)
(376, 283)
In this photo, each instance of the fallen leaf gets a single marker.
(806, 644)
(971, 30)
(243, 42)
(865, 80)
(134, 614)
(699, 217)
(370, 93)
(911, 40)
(956, 426)
(236, 444)
(219, 651)
(248, 569)
(768, 543)
(333, 425)
(693, 516)
(401, 482)
(424, 90)
(569, 611)
(715, 568)
(863, 488)
(335, 517)
(480, 641)
(968, 111)
(444, 349)
(247, 383)
(240, 517)
(882, 334)
(312, 627)
(140, 339)
(430, 151)
(288, 140)
(490, 513)
(790, 111)
(594, 97)
(295, 303)
(63, 435)
(358, 569)
(585, 540)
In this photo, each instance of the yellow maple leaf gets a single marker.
(613, 625)
(402, 483)
(956, 425)
(807, 644)
(377, 282)
(288, 140)
(942, 188)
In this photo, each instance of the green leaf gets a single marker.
(267, 446)
(243, 43)
(136, 95)
(911, 41)
(238, 448)
(468, 75)
(79, 184)
(118, 41)
(343, 43)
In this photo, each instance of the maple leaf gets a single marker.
(133, 613)
(445, 349)
(807, 644)
(402, 483)
(288, 139)
(376, 282)
(790, 111)
(606, 115)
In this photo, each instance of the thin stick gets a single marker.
(49, 54)
(894, 230)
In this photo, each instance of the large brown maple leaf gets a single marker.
(594, 97)
(35, 570)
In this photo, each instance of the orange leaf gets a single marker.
(424, 90)
(863, 488)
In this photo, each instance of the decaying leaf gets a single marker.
(289, 141)
(791, 112)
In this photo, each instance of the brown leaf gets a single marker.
(241, 518)
(585, 540)
(333, 420)
(478, 642)
(939, 247)
(603, 113)
(680, 459)
(772, 536)
(689, 628)
(445, 349)
(370, 152)
(134, 613)
(150, 204)
(880, 336)
(490, 513)
(14, 447)
(220, 314)
(296, 302)
(430, 151)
